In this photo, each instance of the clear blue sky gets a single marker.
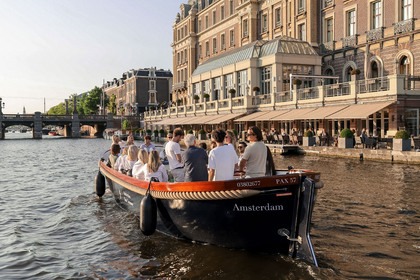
(54, 48)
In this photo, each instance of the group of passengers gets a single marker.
(224, 159)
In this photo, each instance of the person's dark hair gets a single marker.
(203, 145)
(243, 143)
(218, 135)
(147, 137)
(115, 149)
(270, 168)
(178, 132)
(257, 132)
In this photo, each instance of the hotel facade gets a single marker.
(295, 64)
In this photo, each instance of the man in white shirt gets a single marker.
(173, 153)
(222, 159)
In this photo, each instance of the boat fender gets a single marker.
(100, 184)
(148, 212)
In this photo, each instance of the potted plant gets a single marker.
(401, 141)
(196, 97)
(308, 138)
(206, 96)
(355, 72)
(148, 132)
(232, 92)
(190, 131)
(156, 133)
(161, 133)
(201, 135)
(346, 140)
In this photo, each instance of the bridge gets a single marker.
(70, 123)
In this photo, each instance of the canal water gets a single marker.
(366, 223)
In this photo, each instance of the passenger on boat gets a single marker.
(213, 144)
(241, 148)
(121, 158)
(162, 152)
(142, 157)
(173, 153)
(255, 155)
(116, 139)
(195, 161)
(203, 145)
(115, 151)
(154, 168)
(129, 161)
(148, 146)
(222, 159)
(230, 139)
(130, 140)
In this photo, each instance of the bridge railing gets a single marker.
(15, 116)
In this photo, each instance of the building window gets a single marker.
(214, 45)
(222, 42)
(205, 87)
(231, 38)
(216, 89)
(376, 15)
(200, 51)
(228, 85)
(266, 80)
(351, 23)
(277, 17)
(302, 32)
(301, 6)
(207, 49)
(404, 66)
(214, 18)
(405, 9)
(329, 34)
(207, 22)
(231, 8)
(244, 28)
(264, 23)
(242, 83)
(222, 12)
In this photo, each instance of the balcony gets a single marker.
(404, 26)
(328, 47)
(349, 41)
(180, 86)
(375, 34)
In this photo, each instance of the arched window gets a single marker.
(329, 72)
(404, 66)
(374, 70)
(348, 74)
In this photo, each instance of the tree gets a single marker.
(91, 101)
(112, 105)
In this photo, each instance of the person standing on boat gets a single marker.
(195, 161)
(162, 153)
(222, 159)
(173, 153)
(148, 146)
(255, 155)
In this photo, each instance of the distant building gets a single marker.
(140, 90)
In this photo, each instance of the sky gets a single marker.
(51, 49)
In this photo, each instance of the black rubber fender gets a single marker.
(100, 184)
(148, 215)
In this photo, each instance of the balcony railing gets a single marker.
(373, 85)
(349, 41)
(404, 26)
(375, 34)
(181, 85)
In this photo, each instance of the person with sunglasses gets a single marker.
(254, 158)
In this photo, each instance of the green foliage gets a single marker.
(402, 134)
(346, 133)
(196, 97)
(190, 131)
(232, 91)
(297, 82)
(206, 96)
(111, 104)
(202, 131)
(59, 109)
(235, 132)
(125, 124)
(161, 131)
(149, 131)
(308, 133)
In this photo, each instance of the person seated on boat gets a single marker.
(121, 158)
(154, 168)
(115, 151)
(142, 157)
(129, 161)
(130, 140)
(173, 153)
(255, 155)
(115, 139)
(230, 139)
(148, 146)
(203, 146)
(195, 161)
(222, 159)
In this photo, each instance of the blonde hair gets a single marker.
(115, 139)
(143, 156)
(154, 161)
(132, 152)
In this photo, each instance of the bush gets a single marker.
(402, 134)
(355, 72)
(308, 133)
(206, 96)
(190, 131)
(196, 97)
(232, 91)
(346, 133)
(161, 131)
(257, 89)
(202, 131)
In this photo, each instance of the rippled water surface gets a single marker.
(366, 223)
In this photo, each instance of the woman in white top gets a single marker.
(121, 158)
(143, 157)
(129, 161)
(154, 168)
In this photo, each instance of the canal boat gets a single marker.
(265, 214)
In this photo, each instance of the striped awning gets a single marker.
(359, 111)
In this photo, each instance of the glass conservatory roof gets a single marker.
(257, 49)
